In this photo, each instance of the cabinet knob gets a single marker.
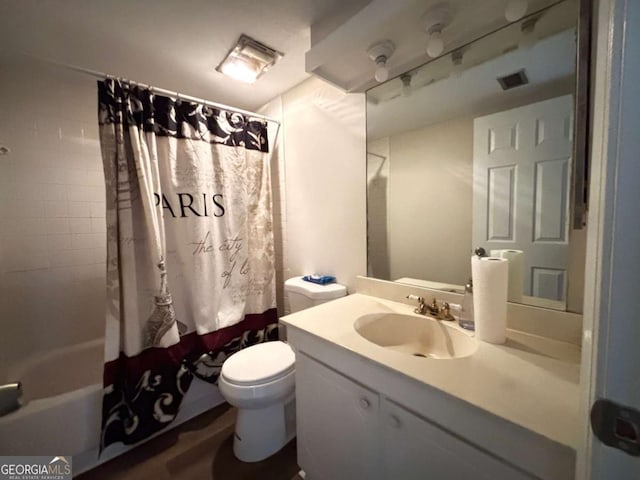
(364, 403)
(394, 421)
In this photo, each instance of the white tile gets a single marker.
(26, 226)
(25, 208)
(77, 176)
(83, 256)
(57, 209)
(82, 273)
(80, 209)
(81, 193)
(48, 131)
(57, 225)
(80, 225)
(46, 175)
(57, 176)
(91, 133)
(100, 240)
(72, 131)
(61, 258)
(57, 193)
(7, 185)
(98, 209)
(95, 178)
(56, 243)
(63, 275)
(27, 191)
(28, 244)
(88, 240)
(100, 255)
(25, 262)
(98, 225)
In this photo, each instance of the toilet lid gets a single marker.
(259, 363)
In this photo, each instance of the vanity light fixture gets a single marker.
(379, 53)
(457, 59)
(435, 20)
(248, 60)
(515, 10)
(528, 36)
(405, 78)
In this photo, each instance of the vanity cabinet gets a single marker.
(413, 448)
(337, 424)
(348, 431)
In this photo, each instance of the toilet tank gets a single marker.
(306, 294)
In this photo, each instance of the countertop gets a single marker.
(531, 381)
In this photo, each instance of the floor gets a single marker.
(200, 449)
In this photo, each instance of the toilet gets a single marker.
(260, 382)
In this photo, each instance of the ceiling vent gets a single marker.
(513, 80)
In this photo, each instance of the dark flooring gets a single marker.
(200, 449)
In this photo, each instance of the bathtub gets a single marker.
(62, 404)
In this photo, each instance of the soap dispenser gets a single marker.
(466, 312)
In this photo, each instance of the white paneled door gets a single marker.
(521, 178)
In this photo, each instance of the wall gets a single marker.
(378, 208)
(52, 259)
(430, 201)
(324, 149)
(428, 209)
(276, 160)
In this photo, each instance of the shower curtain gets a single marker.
(190, 253)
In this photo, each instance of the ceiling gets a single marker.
(342, 57)
(172, 44)
(176, 44)
(437, 93)
(549, 64)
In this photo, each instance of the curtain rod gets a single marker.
(162, 91)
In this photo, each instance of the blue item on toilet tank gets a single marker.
(319, 279)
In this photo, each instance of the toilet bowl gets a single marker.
(260, 382)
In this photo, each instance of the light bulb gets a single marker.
(435, 45)
(516, 9)
(382, 73)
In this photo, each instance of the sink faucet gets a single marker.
(440, 313)
(421, 309)
(445, 312)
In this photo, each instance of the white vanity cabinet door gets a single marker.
(414, 448)
(337, 424)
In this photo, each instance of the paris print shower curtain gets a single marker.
(190, 254)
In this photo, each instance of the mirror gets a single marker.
(477, 148)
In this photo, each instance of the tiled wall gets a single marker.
(52, 242)
(52, 235)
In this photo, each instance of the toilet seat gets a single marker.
(259, 364)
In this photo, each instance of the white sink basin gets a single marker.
(415, 335)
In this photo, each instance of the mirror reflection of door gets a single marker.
(424, 131)
(521, 171)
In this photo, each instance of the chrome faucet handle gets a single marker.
(421, 308)
(433, 308)
(445, 312)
